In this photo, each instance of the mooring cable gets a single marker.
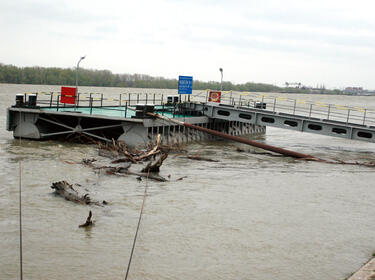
(138, 225)
(20, 202)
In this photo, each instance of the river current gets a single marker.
(248, 216)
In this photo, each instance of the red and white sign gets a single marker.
(214, 96)
(68, 95)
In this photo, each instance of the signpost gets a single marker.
(185, 85)
(68, 95)
(214, 96)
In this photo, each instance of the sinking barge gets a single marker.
(43, 116)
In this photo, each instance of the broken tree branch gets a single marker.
(88, 222)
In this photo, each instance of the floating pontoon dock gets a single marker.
(103, 119)
(44, 116)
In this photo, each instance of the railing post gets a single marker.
(347, 119)
(162, 99)
(58, 102)
(154, 99)
(129, 100)
(294, 108)
(329, 111)
(310, 110)
(90, 103)
(239, 102)
(146, 97)
(137, 98)
(126, 108)
(50, 101)
(274, 104)
(101, 100)
(120, 100)
(364, 117)
(78, 99)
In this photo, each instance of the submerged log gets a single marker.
(139, 175)
(67, 191)
(201, 158)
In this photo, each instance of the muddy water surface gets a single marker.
(248, 216)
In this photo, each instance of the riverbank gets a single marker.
(366, 272)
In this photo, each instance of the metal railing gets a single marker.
(123, 103)
(297, 107)
(275, 104)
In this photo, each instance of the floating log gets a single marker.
(263, 146)
(239, 139)
(202, 158)
(154, 177)
(67, 191)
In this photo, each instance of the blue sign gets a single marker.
(185, 84)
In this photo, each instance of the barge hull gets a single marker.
(39, 124)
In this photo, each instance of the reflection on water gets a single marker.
(249, 216)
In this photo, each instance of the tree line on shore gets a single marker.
(104, 78)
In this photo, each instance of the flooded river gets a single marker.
(248, 216)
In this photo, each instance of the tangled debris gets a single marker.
(122, 159)
(119, 150)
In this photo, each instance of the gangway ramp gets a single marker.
(245, 113)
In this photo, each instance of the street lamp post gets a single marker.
(82, 58)
(221, 83)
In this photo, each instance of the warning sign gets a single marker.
(214, 96)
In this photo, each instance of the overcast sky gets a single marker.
(330, 42)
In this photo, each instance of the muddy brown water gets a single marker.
(248, 216)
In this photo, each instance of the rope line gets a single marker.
(20, 203)
(138, 225)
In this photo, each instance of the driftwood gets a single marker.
(155, 153)
(140, 175)
(67, 191)
(87, 161)
(154, 166)
(120, 160)
(201, 158)
(88, 222)
(120, 149)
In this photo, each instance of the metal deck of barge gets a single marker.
(242, 114)
(102, 120)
